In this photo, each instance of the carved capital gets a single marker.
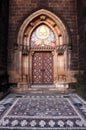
(53, 53)
(32, 52)
(25, 51)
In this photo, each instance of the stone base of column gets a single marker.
(21, 87)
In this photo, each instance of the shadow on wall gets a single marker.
(4, 85)
(80, 85)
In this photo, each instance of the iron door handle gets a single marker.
(42, 69)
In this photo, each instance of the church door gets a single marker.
(42, 68)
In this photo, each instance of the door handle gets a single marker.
(42, 69)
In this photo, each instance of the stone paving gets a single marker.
(43, 112)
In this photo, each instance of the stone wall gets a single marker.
(19, 10)
(82, 34)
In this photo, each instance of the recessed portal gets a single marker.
(41, 41)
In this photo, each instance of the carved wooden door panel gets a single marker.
(42, 68)
(36, 68)
(48, 68)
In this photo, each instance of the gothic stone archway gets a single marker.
(26, 50)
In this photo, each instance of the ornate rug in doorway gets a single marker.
(43, 112)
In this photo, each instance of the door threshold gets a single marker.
(43, 86)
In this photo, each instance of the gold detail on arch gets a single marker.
(43, 36)
(42, 32)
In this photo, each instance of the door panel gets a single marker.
(42, 68)
(37, 67)
(48, 67)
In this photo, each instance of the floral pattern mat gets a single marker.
(43, 112)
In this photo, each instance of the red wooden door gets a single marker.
(42, 68)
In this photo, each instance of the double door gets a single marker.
(42, 68)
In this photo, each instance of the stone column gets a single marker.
(25, 67)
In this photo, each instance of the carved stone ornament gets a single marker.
(61, 49)
(42, 17)
(25, 51)
(48, 48)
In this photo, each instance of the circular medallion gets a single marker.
(42, 32)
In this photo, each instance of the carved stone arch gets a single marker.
(49, 14)
(28, 27)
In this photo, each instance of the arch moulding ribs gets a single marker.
(36, 14)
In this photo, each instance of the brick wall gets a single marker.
(65, 9)
(82, 34)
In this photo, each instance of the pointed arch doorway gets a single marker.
(42, 39)
(39, 37)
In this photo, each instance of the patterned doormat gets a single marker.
(43, 112)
